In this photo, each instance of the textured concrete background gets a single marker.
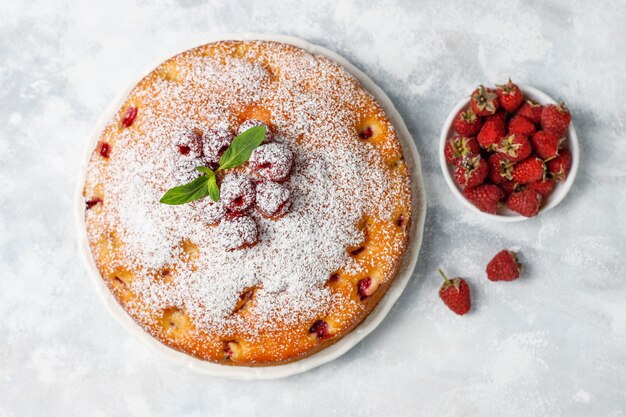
(549, 344)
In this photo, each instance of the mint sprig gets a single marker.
(186, 193)
(241, 147)
(237, 153)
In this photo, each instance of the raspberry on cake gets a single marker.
(237, 232)
(272, 199)
(237, 282)
(272, 161)
(189, 143)
(254, 122)
(237, 192)
(216, 141)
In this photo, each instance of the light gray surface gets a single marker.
(550, 344)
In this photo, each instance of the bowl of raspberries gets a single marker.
(510, 152)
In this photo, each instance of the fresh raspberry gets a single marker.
(272, 161)
(504, 267)
(237, 192)
(129, 116)
(486, 197)
(500, 168)
(516, 147)
(508, 187)
(459, 147)
(237, 232)
(560, 166)
(189, 143)
(525, 202)
(252, 123)
(484, 101)
(544, 187)
(92, 202)
(491, 132)
(455, 293)
(531, 110)
(320, 329)
(272, 199)
(104, 149)
(529, 170)
(499, 115)
(365, 288)
(466, 123)
(215, 143)
(521, 125)
(471, 172)
(556, 117)
(510, 96)
(546, 143)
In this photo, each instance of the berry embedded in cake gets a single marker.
(287, 203)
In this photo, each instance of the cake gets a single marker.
(307, 235)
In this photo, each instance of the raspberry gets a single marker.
(516, 147)
(210, 211)
(546, 143)
(521, 125)
(104, 149)
(531, 110)
(500, 168)
(560, 166)
(543, 187)
(484, 101)
(215, 144)
(366, 133)
(189, 143)
(90, 203)
(237, 193)
(486, 197)
(364, 288)
(272, 161)
(459, 147)
(254, 122)
(237, 232)
(272, 199)
(320, 329)
(471, 172)
(525, 202)
(129, 116)
(504, 267)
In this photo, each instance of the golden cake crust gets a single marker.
(330, 259)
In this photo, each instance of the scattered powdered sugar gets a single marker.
(336, 179)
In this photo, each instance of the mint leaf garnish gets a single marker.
(214, 190)
(205, 170)
(241, 147)
(237, 153)
(186, 193)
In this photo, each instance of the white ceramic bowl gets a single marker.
(504, 214)
(347, 342)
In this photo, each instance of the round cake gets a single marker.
(307, 234)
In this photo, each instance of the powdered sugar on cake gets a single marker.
(335, 181)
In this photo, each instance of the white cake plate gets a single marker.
(347, 342)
